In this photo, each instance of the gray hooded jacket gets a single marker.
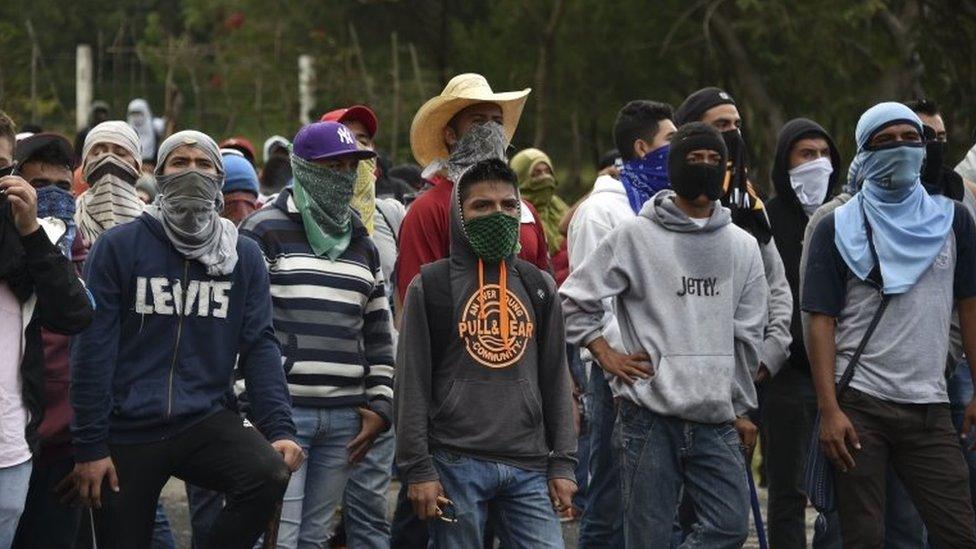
(693, 298)
(487, 398)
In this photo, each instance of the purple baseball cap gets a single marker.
(324, 140)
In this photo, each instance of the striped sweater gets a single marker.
(331, 317)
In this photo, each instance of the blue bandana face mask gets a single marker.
(53, 201)
(895, 167)
(645, 177)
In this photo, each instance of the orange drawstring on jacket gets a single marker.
(482, 313)
(503, 302)
(503, 312)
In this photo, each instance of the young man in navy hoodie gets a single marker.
(179, 300)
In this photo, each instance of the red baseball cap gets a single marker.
(359, 113)
(242, 144)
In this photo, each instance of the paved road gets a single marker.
(174, 498)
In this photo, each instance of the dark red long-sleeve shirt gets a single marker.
(425, 234)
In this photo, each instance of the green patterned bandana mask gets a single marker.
(493, 237)
(323, 197)
(539, 191)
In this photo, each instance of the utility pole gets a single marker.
(83, 84)
(306, 87)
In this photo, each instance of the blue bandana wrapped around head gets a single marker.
(908, 227)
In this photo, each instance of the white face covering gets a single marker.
(811, 181)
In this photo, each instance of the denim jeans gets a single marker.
(364, 504)
(663, 454)
(162, 535)
(578, 370)
(316, 489)
(519, 499)
(960, 386)
(204, 505)
(602, 524)
(14, 483)
(46, 521)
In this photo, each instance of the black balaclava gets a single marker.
(936, 177)
(693, 180)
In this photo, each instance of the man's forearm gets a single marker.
(599, 347)
(822, 354)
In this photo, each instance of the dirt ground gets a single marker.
(174, 499)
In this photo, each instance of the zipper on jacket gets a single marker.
(176, 346)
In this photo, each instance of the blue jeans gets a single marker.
(14, 483)
(316, 489)
(663, 454)
(162, 536)
(960, 386)
(577, 369)
(364, 505)
(519, 500)
(602, 524)
(204, 505)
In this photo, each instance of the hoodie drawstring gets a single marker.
(503, 302)
(503, 313)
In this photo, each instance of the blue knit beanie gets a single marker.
(239, 175)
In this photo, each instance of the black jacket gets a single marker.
(48, 287)
(788, 220)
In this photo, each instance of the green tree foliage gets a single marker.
(230, 67)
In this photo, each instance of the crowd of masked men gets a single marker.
(287, 334)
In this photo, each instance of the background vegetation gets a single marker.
(230, 67)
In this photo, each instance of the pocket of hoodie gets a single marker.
(497, 416)
(144, 400)
(696, 387)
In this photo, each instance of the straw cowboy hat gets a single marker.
(464, 90)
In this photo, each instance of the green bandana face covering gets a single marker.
(493, 237)
(323, 197)
(539, 191)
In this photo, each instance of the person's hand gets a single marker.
(426, 498)
(23, 203)
(291, 452)
(84, 483)
(837, 436)
(747, 432)
(625, 367)
(561, 493)
(968, 422)
(373, 425)
(762, 374)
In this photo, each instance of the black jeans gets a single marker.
(919, 442)
(219, 454)
(789, 408)
(46, 522)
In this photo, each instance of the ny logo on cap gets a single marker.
(346, 136)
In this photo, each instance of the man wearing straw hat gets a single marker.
(466, 123)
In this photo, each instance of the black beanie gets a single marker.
(692, 137)
(692, 109)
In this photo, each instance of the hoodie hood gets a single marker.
(793, 131)
(662, 210)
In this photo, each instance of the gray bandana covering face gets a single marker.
(188, 206)
(481, 142)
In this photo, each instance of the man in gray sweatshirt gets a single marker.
(483, 397)
(690, 300)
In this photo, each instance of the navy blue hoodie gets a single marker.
(160, 353)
